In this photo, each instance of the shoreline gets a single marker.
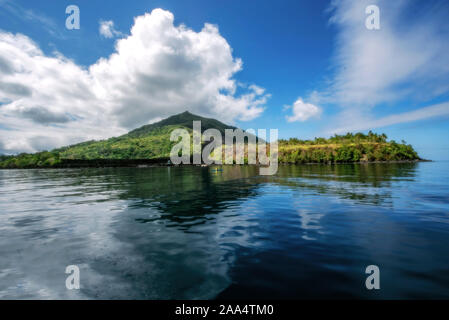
(152, 163)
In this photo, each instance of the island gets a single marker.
(151, 145)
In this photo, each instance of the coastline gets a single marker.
(163, 162)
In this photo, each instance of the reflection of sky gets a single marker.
(147, 234)
(47, 224)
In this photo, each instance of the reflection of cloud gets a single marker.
(63, 218)
(234, 230)
(52, 236)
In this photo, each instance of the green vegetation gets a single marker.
(153, 142)
(345, 148)
(43, 159)
(340, 139)
(184, 119)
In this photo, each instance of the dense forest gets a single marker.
(340, 139)
(345, 148)
(153, 142)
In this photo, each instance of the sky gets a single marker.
(306, 68)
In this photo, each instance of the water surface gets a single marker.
(192, 233)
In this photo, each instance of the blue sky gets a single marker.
(308, 68)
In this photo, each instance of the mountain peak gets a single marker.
(184, 119)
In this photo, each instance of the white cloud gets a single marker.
(387, 64)
(107, 29)
(437, 110)
(158, 70)
(257, 90)
(405, 60)
(13, 9)
(303, 111)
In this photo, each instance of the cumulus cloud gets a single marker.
(158, 70)
(107, 29)
(302, 111)
(15, 89)
(405, 60)
(42, 115)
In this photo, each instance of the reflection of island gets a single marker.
(362, 183)
(193, 232)
(182, 232)
(189, 194)
(180, 194)
(172, 231)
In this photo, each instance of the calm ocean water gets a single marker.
(191, 233)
